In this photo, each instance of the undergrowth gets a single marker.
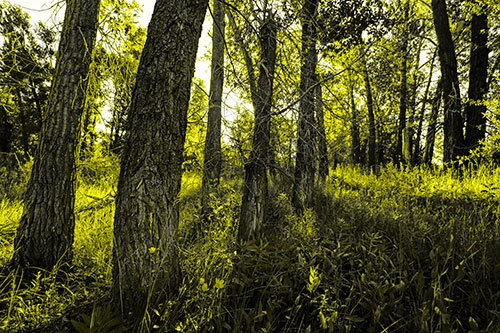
(409, 250)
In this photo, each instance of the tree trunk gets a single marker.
(145, 254)
(399, 156)
(212, 154)
(306, 153)
(411, 143)
(372, 135)
(23, 122)
(431, 129)
(5, 131)
(255, 182)
(45, 233)
(322, 146)
(355, 136)
(478, 84)
(417, 158)
(453, 121)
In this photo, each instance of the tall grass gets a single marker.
(408, 250)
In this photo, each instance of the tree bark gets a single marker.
(475, 108)
(417, 158)
(355, 136)
(212, 154)
(372, 135)
(322, 145)
(305, 160)
(255, 182)
(145, 254)
(453, 121)
(431, 129)
(45, 233)
(403, 91)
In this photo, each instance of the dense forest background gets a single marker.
(339, 172)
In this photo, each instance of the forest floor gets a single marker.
(405, 251)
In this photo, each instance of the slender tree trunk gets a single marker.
(355, 136)
(453, 121)
(417, 152)
(5, 131)
(306, 153)
(212, 154)
(411, 144)
(322, 146)
(431, 129)
(255, 187)
(478, 85)
(403, 91)
(45, 233)
(372, 135)
(23, 121)
(145, 254)
(36, 97)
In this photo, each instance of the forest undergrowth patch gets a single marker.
(408, 250)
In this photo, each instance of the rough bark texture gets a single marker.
(212, 154)
(431, 129)
(306, 153)
(478, 85)
(322, 146)
(145, 254)
(45, 233)
(372, 135)
(255, 182)
(453, 121)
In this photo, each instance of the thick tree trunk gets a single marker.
(431, 128)
(322, 146)
(306, 153)
(478, 84)
(212, 154)
(453, 121)
(145, 254)
(45, 233)
(255, 182)
(372, 135)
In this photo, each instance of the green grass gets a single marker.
(410, 250)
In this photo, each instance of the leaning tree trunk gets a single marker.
(475, 109)
(45, 233)
(417, 158)
(372, 136)
(255, 183)
(322, 145)
(305, 160)
(145, 254)
(453, 121)
(212, 154)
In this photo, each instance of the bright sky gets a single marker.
(42, 10)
